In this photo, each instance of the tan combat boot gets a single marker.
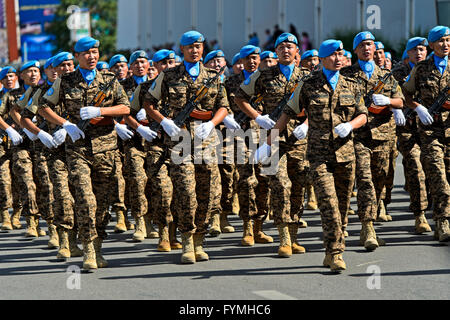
(75, 251)
(235, 204)
(64, 251)
(140, 232)
(6, 221)
(302, 223)
(120, 225)
(337, 263)
(188, 255)
(174, 243)
(382, 217)
(259, 235)
(421, 224)
(225, 226)
(40, 232)
(312, 200)
(53, 241)
(15, 219)
(150, 231)
(327, 260)
(200, 254)
(368, 237)
(128, 224)
(296, 248)
(443, 229)
(248, 238)
(214, 230)
(164, 241)
(101, 262)
(89, 259)
(285, 249)
(31, 227)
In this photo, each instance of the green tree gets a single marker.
(103, 15)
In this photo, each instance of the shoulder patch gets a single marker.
(23, 100)
(155, 89)
(134, 100)
(52, 94)
(33, 102)
(248, 86)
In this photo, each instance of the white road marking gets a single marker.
(371, 262)
(273, 295)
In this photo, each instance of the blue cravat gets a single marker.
(193, 69)
(412, 65)
(26, 87)
(88, 75)
(441, 63)
(368, 67)
(139, 80)
(332, 77)
(247, 74)
(287, 70)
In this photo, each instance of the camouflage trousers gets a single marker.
(333, 185)
(228, 174)
(44, 193)
(118, 202)
(5, 182)
(409, 146)
(23, 171)
(389, 185)
(92, 177)
(288, 185)
(434, 149)
(64, 201)
(372, 167)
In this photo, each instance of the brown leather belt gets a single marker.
(102, 121)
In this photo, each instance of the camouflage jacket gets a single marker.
(273, 86)
(378, 127)
(327, 108)
(8, 101)
(426, 82)
(72, 93)
(401, 73)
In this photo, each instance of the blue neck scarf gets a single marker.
(247, 74)
(332, 77)
(49, 83)
(193, 69)
(368, 67)
(441, 63)
(26, 87)
(412, 65)
(287, 70)
(4, 90)
(139, 80)
(88, 75)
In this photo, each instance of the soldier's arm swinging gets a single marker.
(3, 124)
(219, 116)
(280, 125)
(15, 115)
(115, 111)
(51, 116)
(152, 112)
(359, 121)
(29, 125)
(245, 106)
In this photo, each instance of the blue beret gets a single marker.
(286, 37)
(191, 37)
(178, 58)
(388, 55)
(163, 54)
(438, 32)
(310, 53)
(416, 41)
(61, 57)
(347, 54)
(268, 54)
(30, 64)
(138, 54)
(5, 71)
(248, 50)
(116, 59)
(362, 36)
(49, 62)
(328, 47)
(102, 65)
(405, 55)
(214, 54)
(379, 45)
(85, 44)
(236, 58)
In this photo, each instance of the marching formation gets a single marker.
(180, 144)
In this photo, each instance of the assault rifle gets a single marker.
(440, 103)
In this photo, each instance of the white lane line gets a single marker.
(371, 262)
(273, 295)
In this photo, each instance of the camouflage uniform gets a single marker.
(91, 161)
(288, 184)
(373, 144)
(331, 158)
(194, 185)
(425, 83)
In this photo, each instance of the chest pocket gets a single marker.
(318, 109)
(346, 107)
(177, 95)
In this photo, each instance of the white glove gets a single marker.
(147, 133)
(74, 132)
(46, 139)
(141, 115)
(265, 122)
(123, 132)
(262, 153)
(399, 117)
(230, 123)
(60, 136)
(14, 136)
(90, 112)
(203, 130)
(424, 116)
(343, 129)
(34, 119)
(301, 131)
(30, 135)
(170, 127)
(380, 100)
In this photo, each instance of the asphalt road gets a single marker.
(409, 267)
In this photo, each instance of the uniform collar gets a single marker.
(88, 75)
(441, 63)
